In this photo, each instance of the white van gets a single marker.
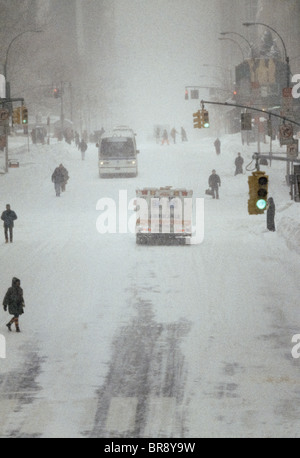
(118, 156)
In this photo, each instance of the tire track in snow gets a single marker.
(144, 389)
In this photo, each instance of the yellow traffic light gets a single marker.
(16, 115)
(197, 120)
(258, 193)
(24, 115)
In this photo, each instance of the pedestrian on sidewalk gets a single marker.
(217, 145)
(239, 161)
(214, 182)
(271, 214)
(14, 301)
(83, 147)
(8, 217)
(58, 178)
(165, 137)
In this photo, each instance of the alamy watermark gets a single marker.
(121, 217)
(296, 88)
(2, 347)
(296, 348)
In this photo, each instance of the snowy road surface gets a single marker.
(122, 340)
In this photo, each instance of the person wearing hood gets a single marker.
(8, 217)
(14, 301)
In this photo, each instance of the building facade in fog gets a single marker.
(261, 71)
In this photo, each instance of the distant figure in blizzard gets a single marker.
(214, 182)
(8, 217)
(271, 214)
(77, 139)
(183, 135)
(239, 161)
(173, 134)
(165, 137)
(157, 134)
(217, 145)
(58, 178)
(14, 301)
(83, 148)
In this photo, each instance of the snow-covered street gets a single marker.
(123, 340)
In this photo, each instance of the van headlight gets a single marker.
(133, 162)
(101, 163)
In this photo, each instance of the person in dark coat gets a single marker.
(8, 217)
(214, 182)
(83, 147)
(271, 214)
(66, 177)
(239, 161)
(183, 135)
(14, 301)
(58, 178)
(217, 145)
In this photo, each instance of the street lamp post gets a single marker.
(287, 60)
(7, 85)
(7, 91)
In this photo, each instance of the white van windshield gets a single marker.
(117, 148)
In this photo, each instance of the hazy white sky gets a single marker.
(161, 47)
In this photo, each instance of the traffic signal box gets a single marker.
(201, 119)
(197, 120)
(16, 115)
(258, 193)
(24, 115)
(56, 92)
(246, 121)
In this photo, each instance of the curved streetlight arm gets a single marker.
(7, 51)
(230, 39)
(247, 24)
(240, 35)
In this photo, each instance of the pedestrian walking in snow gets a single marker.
(165, 137)
(8, 217)
(183, 135)
(157, 134)
(214, 182)
(271, 214)
(173, 134)
(77, 140)
(66, 177)
(58, 179)
(239, 161)
(83, 148)
(217, 145)
(14, 301)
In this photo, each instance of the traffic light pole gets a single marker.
(270, 113)
(270, 156)
(7, 102)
